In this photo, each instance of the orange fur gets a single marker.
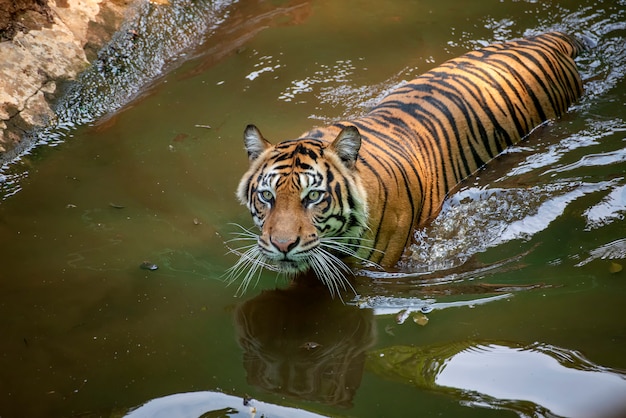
(387, 172)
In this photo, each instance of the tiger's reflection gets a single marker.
(301, 343)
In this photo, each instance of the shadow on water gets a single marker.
(301, 344)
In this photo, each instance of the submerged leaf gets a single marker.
(615, 267)
(420, 319)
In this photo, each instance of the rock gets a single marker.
(22, 15)
(40, 53)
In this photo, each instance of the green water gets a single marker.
(86, 332)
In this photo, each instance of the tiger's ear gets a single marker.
(347, 145)
(254, 142)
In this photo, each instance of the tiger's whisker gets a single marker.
(345, 248)
(251, 264)
(342, 241)
(239, 250)
(249, 258)
(329, 269)
(243, 238)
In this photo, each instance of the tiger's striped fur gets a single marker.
(360, 187)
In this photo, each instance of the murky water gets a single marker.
(511, 302)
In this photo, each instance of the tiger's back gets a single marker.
(358, 188)
(425, 137)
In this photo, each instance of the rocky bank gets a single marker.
(43, 43)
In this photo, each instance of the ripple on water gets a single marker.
(475, 219)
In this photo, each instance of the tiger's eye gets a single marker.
(313, 195)
(266, 195)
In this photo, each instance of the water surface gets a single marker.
(523, 265)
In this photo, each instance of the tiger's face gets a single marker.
(306, 199)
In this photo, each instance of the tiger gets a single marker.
(353, 192)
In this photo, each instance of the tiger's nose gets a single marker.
(284, 245)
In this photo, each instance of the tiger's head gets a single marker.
(306, 198)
